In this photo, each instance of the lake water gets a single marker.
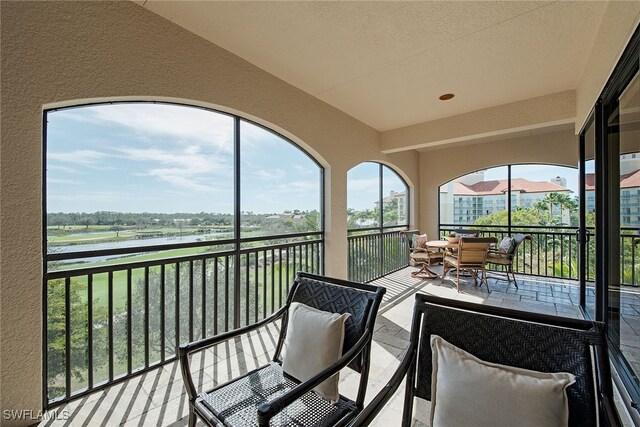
(130, 244)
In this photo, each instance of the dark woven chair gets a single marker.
(509, 337)
(267, 396)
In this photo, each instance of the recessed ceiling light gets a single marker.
(446, 96)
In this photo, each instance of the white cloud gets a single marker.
(82, 157)
(255, 137)
(187, 169)
(185, 124)
(368, 185)
(299, 187)
(306, 170)
(188, 160)
(63, 169)
(94, 197)
(180, 178)
(270, 175)
(62, 181)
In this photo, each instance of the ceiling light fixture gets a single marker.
(446, 96)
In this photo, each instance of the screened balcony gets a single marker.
(157, 396)
(92, 332)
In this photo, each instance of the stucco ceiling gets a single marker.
(386, 63)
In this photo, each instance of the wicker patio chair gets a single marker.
(267, 396)
(421, 256)
(471, 256)
(516, 338)
(505, 259)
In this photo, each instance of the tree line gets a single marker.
(154, 219)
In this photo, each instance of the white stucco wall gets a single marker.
(440, 166)
(60, 53)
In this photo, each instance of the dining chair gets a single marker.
(420, 254)
(506, 257)
(284, 392)
(471, 256)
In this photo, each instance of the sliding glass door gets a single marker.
(610, 219)
(622, 118)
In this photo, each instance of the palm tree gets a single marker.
(563, 201)
(551, 199)
(541, 205)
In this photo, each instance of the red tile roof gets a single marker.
(629, 180)
(495, 187)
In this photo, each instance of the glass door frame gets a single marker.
(607, 222)
(583, 234)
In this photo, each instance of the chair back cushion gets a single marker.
(420, 241)
(409, 238)
(515, 342)
(506, 245)
(314, 341)
(503, 389)
(334, 298)
(517, 239)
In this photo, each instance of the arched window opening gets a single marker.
(165, 224)
(539, 200)
(522, 195)
(372, 185)
(377, 210)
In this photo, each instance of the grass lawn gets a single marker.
(101, 289)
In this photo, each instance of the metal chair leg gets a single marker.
(485, 279)
(445, 270)
(192, 417)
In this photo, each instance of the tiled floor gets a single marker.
(158, 397)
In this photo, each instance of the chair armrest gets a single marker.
(267, 410)
(498, 252)
(186, 349)
(369, 413)
(208, 342)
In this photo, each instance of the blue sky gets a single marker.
(537, 172)
(143, 157)
(363, 185)
(169, 158)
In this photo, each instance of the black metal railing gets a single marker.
(106, 323)
(554, 251)
(373, 253)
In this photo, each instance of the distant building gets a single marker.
(629, 191)
(464, 200)
(401, 198)
(560, 180)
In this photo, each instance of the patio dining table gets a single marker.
(425, 272)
